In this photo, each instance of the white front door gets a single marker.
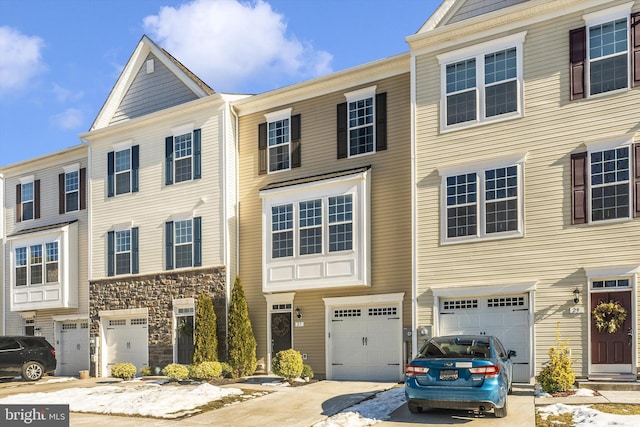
(503, 316)
(126, 341)
(73, 347)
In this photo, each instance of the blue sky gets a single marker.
(60, 58)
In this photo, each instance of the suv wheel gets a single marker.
(32, 371)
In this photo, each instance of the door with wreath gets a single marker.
(611, 333)
(280, 332)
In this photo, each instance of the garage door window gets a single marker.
(383, 311)
(506, 302)
(348, 312)
(460, 304)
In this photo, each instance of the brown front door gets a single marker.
(280, 332)
(611, 348)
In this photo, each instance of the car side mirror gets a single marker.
(511, 353)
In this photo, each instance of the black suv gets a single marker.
(31, 357)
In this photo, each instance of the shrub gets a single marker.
(145, 371)
(227, 370)
(287, 364)
(558, 374)
(242, 342)
(176, 371)
(307, 372)
(205, 370)
(126, 371)
(205, 337)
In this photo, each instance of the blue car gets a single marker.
(470, 372)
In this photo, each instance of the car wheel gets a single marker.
(501, 412)
(32, 371)
(414, 409)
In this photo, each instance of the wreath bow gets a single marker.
(609, 316)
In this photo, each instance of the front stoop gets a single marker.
(621, 382)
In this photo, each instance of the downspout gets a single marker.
(237, 189)
(414, 209)
(2, 252)
(233, 118)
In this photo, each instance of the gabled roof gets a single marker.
(189, 85)
(451, 11)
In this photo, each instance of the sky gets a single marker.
(60, 59)
(150, 398)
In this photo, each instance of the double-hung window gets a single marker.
(183, 155)
(603, 57)
(122, 251)
(51, 262)
(279, 142)
(72, 190)
(183, 243)
(27, 200)
(122, 170)
(282, 231)
(362, 123)
(341, 223)
(606, 182)
(482, 83)
(36, 264)
(310, 227)
(483, 202)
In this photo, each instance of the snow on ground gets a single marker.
(585, 416)
(368, 412)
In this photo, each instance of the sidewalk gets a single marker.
(606, 396)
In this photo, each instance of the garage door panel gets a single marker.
(73, 348)
(126, 341)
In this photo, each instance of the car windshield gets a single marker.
(456, 347)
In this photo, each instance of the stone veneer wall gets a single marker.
(156, 292)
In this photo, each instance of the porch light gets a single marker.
(298, 313)
(576, 296)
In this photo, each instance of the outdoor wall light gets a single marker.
(576, 296)
(298, 313)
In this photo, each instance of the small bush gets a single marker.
(227, 370)
(145, 371)
(205, 370)
(176, 371)
(558, 374)
(307, 372)
(287, 364)
(126, 371)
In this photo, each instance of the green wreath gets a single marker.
(609, 316)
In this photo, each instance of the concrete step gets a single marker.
(610, 382)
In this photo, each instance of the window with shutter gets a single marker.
(123, 171)
(279, 142)
(183, 156)
(183, 243)
(362, 123)
(28, 199)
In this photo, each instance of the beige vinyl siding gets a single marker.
(552, 252)
(47, 171)
(390, 210)
(155, 203)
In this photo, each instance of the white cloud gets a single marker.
(20, 58)
(227, 43)
(69, 119)
(63, 94)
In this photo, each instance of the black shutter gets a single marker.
(111, 253)
(36, 199)
(262, 148)
(342, 130)
(578, 55)
(19, 203)
(296, 159)
(135, 267)
(579, 188)
(135, 168)
(381, 121)
(168, 236)
(197, 154)
(197, 241)
(168, 160)
(61, 194)
(636, 160)
(110, 174)
(83, 188)
(635, 49)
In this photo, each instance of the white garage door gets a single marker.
(506, 317)
(366, 343)
(126, 341)
(72, 350)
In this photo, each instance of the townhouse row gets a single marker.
(487, 181)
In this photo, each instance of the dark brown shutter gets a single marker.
(19, 203)
(36, 199)
(343, 140)
(83, 188)
(579, 188)
(578, 54)
(296, 159)
(635, 49)
(636, 156)
(262, 148)
(61, 195)
(381, 121)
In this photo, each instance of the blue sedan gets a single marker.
(471, 372)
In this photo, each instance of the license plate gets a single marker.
(449, 374)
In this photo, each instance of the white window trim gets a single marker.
(479, 168)
(175, 156)
(23, 181)
(601, 17)
(357, 95)
(478, 52)
(176, 244)
(68, 170)
(28, 244)
(120, 148)
(604, 145)
(276, 116)
(116, 253)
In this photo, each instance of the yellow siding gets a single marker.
(553, 252)
(390, 209)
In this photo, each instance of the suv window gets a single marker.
(34, 342)
(8, 344)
